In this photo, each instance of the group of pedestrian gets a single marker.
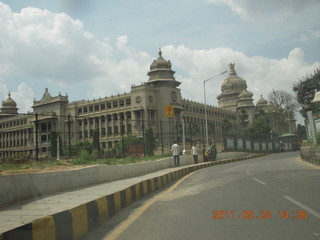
(210, 153)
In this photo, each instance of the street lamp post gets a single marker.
(205, 103)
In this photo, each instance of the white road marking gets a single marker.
(299, 204)
(259, 181)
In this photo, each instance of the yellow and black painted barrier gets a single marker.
(74, 223)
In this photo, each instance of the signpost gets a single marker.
(169, 112)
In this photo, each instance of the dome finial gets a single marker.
(232, 71)
(160, 53)
(9, 94)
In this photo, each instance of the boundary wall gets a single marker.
(310, 154)
(15, 188)
(74, 223)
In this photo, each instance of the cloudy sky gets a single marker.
(91, 49)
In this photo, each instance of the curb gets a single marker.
(75, 222)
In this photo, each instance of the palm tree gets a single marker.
(243, 115)
(226, 126)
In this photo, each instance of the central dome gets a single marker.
(233, 83)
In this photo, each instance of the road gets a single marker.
(272, 197)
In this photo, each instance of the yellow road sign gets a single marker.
(169, 111)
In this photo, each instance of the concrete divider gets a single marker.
(75, 222)
(15, 188)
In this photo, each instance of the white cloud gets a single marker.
(41, 46)
(25, 95)
(309, 36)
(273, 10)
(262, 74)
(46, 46)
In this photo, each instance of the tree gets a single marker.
(283, 100)
(194, 130)
(226, 126)
(243, 115)
(305, 90)
(150, 142)
(95, 140)
(259, 129)
(211, 129)
(301, 132)
(80, 146)
(53, 143)
(127, 141)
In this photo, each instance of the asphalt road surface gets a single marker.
(271, 197)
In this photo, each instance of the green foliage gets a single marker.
(243, 115)
(150, 142)
(53, 143)
(83, 159)
(195, 128)
(301, 132)
(305, 90)
(95, 154)
(259, 129)
(78, 147)
(95, 140)
(211, 128)
(127, 140)
(226, 126)
(60, 146)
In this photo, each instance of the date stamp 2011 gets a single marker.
(262, 214)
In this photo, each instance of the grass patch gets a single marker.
(84, 159)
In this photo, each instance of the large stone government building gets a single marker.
(125, 114)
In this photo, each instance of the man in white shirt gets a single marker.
(194, 152)
(175, 152)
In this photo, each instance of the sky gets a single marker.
(90, 49)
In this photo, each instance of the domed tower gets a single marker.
(262, 104)
(9, 106)
(245, 108)
(160, 70)
(152, 99)
(161, 78)
(231, 88)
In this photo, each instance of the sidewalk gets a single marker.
(47, 217)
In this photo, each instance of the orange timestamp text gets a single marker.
(262, 214)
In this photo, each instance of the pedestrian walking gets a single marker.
(175, 153)
(194, 152)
